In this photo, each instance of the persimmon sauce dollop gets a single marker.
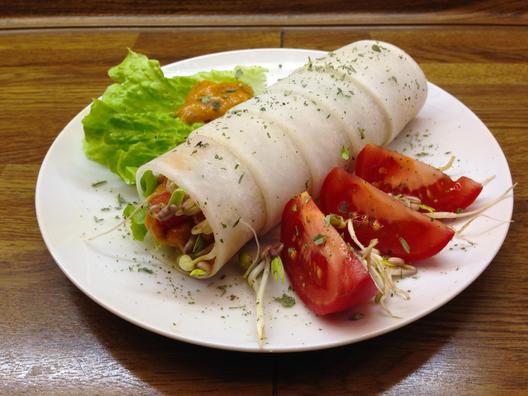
(208, 100)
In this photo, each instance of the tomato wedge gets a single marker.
(320, 265)
(401, 232)
(398, 174)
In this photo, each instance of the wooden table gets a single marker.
(55, 340)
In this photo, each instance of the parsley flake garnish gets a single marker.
(361, 132)
(99, 183)
(285, 300)
(120, 200)
(319, 239)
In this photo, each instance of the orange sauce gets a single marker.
(208, 100)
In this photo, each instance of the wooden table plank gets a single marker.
(454, 44)
(55, 340)
(63, 13)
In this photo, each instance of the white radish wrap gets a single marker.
(242, 168)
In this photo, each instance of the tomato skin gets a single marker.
(377, 215)
(324, 274)
(398, 174)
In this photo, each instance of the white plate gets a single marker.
(220, 312)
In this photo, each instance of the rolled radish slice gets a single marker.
(221, 186)
(314, 136)
(274, 162)
(390, 74)
(349, 103)
(239, 170)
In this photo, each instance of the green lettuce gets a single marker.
(135, 120)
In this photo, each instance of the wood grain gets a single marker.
(54, 340)
(62, 13)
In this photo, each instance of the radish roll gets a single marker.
(233, 176)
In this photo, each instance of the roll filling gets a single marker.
(175, 220)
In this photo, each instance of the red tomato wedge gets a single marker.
(398, 174)
(320, 265)
(401, 232)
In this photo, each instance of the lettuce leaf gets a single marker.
(135, 120)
